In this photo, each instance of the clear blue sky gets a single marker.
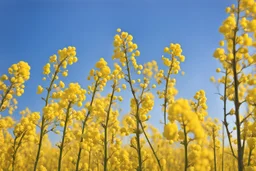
(34, 30)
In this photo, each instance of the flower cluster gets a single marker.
(13, 85)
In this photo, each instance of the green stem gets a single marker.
(223, 142)
(63, 136)
(137, 112)
(157, 159)
(214, 150)
(186, 148)
(249, 157)
(42, 128)
(225, 114)
(138, 145)
(5, 95)
(236, 100)
(84, 124)
(166, 90)
(16, 149)
(40, 143)
(106, 130)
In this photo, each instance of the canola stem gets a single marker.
(136, 114)
(214, 150)
(138, 145)
(225, 114)
(223, 142)
(249, 157)
(83, 127)
(42, 131)
(166, 90)
(152, 148)
(236, 100)
(16, 149)
(186, 148)
(106, 130)
(4, 97)
(63, 137)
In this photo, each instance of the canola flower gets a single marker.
(97, 133)
(13, 85)
(173, 64)
(237, 30)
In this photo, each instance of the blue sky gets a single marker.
(34, 30)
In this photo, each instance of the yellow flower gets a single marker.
(171, 131)
(105, 71)
(124, 35)
(65, 73)
(40, 89)
(120, 98)
(124, 86)
(222, 43)
(62, 123)
(228, 9)
(4, 77)
(218, 70)
(166, 49)
(9, 96)
(101, 63)
(137, 53)
(62, 84)
(212, 79)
